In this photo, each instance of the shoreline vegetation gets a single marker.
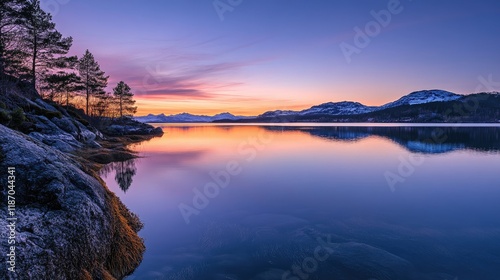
(70, 225)
(58, 127)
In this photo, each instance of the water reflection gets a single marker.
(312, 183)
(429, 140)
(124, 172)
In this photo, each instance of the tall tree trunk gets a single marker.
(33, 73)
(87, 85)
(3, 48)
(33, 63)
(88, 95)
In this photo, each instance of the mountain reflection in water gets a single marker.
(313, 185)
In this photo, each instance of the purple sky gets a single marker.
(257, 55)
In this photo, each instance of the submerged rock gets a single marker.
(69, 225)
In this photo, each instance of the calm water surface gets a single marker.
(316, 202)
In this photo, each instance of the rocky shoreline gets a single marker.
(67, 225)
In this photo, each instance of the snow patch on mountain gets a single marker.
(187, 118)
(422, 97)
(338, 108)
(329, 108)
(279, 113)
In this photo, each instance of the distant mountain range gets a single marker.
(419, 106)
(188, 118)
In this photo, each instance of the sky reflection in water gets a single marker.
(298, 185)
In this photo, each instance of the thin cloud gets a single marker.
(180, 71)
(176, 93)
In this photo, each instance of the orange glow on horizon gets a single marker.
(211, 107)
(153, 105)
(226, 139)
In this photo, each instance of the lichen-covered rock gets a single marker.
(79, 132)
(44, 105)
(50, 134)
(63, 133)
(69, 225)
(127, 126)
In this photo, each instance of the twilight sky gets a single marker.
(250, 56)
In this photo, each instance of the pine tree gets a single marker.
(102, 105)
(12, 54)
(7, 23)
(42, 41)
(124, 99)
(63, 83)
(94, 80)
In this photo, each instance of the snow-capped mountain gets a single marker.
(330, 108)
(423, 96)
(344, 108)
(338, 108)
(186, 118)
(347, 108)
(279, 113)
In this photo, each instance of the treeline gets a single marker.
(33, 51)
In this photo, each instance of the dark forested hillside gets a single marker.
(477, 108)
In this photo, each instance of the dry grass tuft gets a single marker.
(127, 247)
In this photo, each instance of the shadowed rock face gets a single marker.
(70, 226)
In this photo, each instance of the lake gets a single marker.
(325, 201)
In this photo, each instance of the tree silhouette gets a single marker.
(124, 99)
(42, 41)
(93, 79)
(125, 171)
(11, 53)
(63, 83)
